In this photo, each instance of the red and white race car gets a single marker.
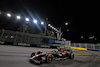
(48, 57)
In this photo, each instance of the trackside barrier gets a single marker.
(82, 48)
(33, 45)
(62, 47)
(57, 47)
(38, 45)
(53, 46)
(8, 43)
(23, 44)
(67, 46)
(89, 46)
(45, 46)
(1, 42)
(15, 43)
(78, 48)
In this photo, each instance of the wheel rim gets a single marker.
(72, 56)
(50, 58)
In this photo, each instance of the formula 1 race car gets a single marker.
(48, 57)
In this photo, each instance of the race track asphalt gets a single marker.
(18, 56)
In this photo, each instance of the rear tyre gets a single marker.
(33, 54)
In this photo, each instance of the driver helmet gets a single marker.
(56, 50)
(39, 52)
(59, 49)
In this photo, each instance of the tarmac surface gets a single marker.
(18, 56)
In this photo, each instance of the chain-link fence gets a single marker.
(21, 37)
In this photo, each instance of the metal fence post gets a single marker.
(93, 46)
(74, 44)
(15, 37)
(85, 45)
(79, 45)
(70, 44)
(99, 47)
(2, 34)
(22, 37)
(29, 38)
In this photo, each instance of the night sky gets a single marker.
(82, 16)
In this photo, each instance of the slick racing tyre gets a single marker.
(71, 56)
(33, 54)
(50, 58)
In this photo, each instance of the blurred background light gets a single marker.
(18, 17)
(49, 24)
(35, 21)
(66, 23)
(27, 19)
(42, 23)
(9, 15)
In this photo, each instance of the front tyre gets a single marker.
(71, 56)
(50, 58)
(33, 54)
